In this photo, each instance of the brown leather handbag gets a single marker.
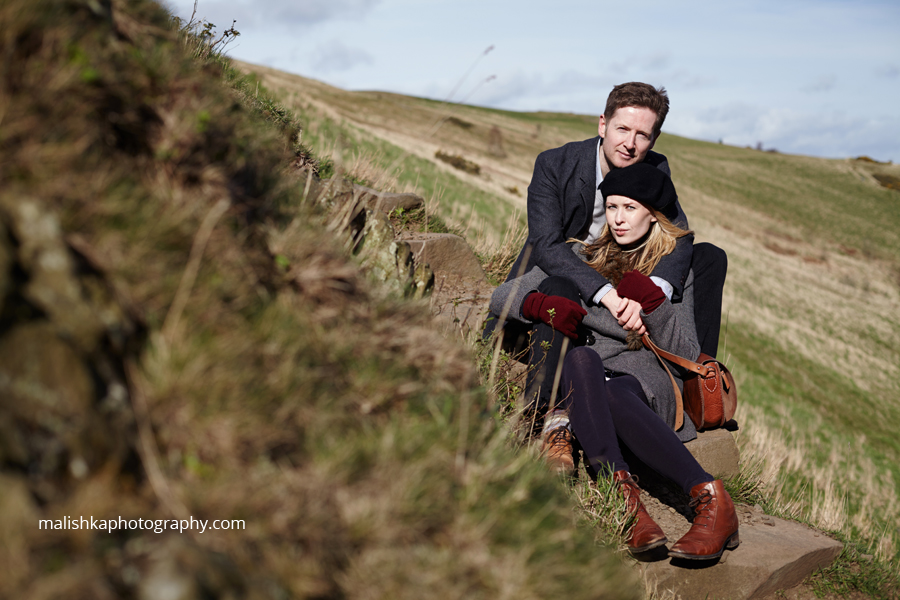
(710, 396)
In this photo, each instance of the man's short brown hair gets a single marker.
(639, 94)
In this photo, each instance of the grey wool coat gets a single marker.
(671, 327)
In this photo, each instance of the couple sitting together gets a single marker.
(609, 256)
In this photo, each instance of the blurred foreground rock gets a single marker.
(66, 332)
(363, 213)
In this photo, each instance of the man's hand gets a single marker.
(560, 313)
(627, 312)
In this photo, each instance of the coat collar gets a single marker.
(587, 162)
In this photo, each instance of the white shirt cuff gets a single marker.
(602, 292)
(664, 285)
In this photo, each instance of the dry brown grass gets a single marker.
(811, 307)
(824, 501)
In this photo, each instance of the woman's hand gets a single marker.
(627, 312)
(629, 315)
(560, 313)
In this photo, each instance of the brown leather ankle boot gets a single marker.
(646, 534)
(558, 452)
(715, 525)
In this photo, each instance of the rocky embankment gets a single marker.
(441, 266)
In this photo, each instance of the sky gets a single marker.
(813, 77)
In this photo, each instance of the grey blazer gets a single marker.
(671, 326)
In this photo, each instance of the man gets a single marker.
(564, 202)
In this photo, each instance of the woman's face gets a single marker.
(628, 220)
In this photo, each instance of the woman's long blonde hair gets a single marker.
(613, 261)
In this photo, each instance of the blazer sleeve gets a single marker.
(547, 224)
(671, 326)
(674, 267)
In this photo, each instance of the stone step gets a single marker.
(449, 255)
(715, 450)
(717, 453)
(461, 292)
(773, 555)
(387, 201)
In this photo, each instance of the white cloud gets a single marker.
(649, 62)
(835, 135)
(336, 56)
(568, 91)
(305, 12)
(832, 134)
(890, 71)
(688, 81)
(658, 69)
(825, 83)
(266, 14)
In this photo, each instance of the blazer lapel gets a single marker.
(587, 173)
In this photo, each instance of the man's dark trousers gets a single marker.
(710, 264)
(545, 350)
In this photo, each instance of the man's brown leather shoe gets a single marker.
(715, 525)
(645, 534)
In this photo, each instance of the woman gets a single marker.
(614, 390)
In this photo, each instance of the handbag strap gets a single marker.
(679, 402)
(702, 370)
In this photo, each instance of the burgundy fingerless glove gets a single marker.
(640, 288)
(565, 317)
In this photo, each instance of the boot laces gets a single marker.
(632, 492)
(558, 439)
(701, 506)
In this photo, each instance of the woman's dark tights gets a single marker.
(603, 413)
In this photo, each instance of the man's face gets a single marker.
(628, 136)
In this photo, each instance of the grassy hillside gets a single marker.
(812, 305)
(813, 324)
(158, 363)
(392, 140)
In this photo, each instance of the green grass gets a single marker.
(774, 379)
(822, 199)
(439, 188)
(856, 572)
(814, 448)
